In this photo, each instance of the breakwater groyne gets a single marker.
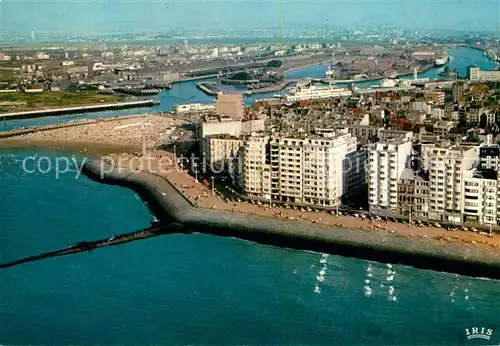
(169, 205)
(96, 244)
(81, 109)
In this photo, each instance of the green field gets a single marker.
(20, 101)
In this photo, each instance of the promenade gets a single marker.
(201, 195)
(131, 143)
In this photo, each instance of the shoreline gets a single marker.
(394, 242)
(168, 204)
(201, 195)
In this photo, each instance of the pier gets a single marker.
(81, 109)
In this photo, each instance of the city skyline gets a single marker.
(74, 17)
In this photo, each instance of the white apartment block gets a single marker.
(422, 106)
(448, 165)
(221, 151)
(442, 128)
(317, 170)
(437, 113)
(254, 175)
(226, 126)
(387, 160)
(480, 198)
(476, 75)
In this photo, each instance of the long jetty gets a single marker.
(80, 109)
(96, 244)
(168, 205)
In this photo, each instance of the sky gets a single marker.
(80, 17)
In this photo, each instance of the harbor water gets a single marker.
(199, 289)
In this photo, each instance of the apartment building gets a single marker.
(398, 135)
(448, 165)
(435, 97)
(225, 125)
(253, 175)
(480, 197)
(362, 132)
(230, 105)
(476, 75)
(413, 195)
(318, 169)
(457, 91)
(387, 160)
(442, 128)
(421, 106)
(214, 126)
(489, 156)
(222, 150)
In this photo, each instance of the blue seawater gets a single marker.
(200, 289)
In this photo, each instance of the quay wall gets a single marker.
(206, 90)
(168, 204)
(72, 110)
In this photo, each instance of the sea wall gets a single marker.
(168, 204)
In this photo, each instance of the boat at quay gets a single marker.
(313, 92)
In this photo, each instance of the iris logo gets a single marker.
(478, 333)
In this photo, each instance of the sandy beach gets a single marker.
(201, 195)
(127, 134)
(122, 141)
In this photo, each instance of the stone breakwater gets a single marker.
(169, 205)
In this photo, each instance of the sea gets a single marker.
(201, 289)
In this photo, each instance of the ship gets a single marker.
(388, 83)
(385, 83)
(316, 92)
(329, 72)
(442, 60)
